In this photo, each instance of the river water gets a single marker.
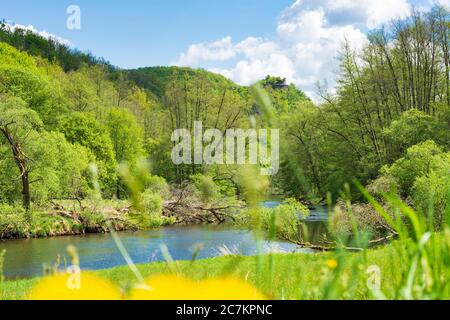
(27, 257)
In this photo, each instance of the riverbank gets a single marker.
(284, 276)
(81, 217)
(68, 218)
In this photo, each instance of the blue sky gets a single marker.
(242, 39)
(141, 32)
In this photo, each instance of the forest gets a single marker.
(86, 147)
(64, 110)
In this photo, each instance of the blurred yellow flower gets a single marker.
(165, 287)
(83, 286)
(229, 289)
(86, 286)
(332, 263)
(170, 287)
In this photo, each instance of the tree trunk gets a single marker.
(22, 163)
(26, 190)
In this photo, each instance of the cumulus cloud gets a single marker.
(445, 3)
(43, 33)
(308, 37)
(364, 13)
(219, 50)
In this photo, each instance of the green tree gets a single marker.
(417, 162)
(127, 138)
(60, 169)
(17, 123)
(84, 129)
(411, 128)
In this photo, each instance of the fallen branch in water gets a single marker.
(383, 239)
(186, 212)
(114, 216)
(332, 246)
(323, 248)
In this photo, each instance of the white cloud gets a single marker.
(219, 50)
(309, 35)
(43, 33)
(380, 12)
(246, 72)
(445, 3)
(367, 13)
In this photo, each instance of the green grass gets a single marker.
(416, 266)
(293, 276)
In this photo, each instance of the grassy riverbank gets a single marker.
(285, 276)
(67, 217)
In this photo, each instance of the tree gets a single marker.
(127, 138)
(417, 162)
(411, 128)
(60, 170)
(84, 129)
(17, 122)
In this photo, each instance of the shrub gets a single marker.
(416, 163)
(424, 176)
(431, 191)
(13, 222)
(151, 203)
(413, 127)
(363, 215)
(205, 187)
(158, 185)
(283, 221)
(150, 215)
(382, 185)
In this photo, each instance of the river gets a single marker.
(27, 257)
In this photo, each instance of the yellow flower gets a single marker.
(83, 286)
(170, 287)
(229, 289)
(165, 287)
(332, 263)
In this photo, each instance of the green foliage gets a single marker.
(149, 214)
(158, 79)
(413, 127)
(285, 97)
(12, 57)
(126, 135)
(158, 185)
(28, 85)
(50, 49)
(382, 185)
(423, 176)
(282, 222)
(347, 219)
(84, 129)
(13, 222)
(15, 113)
(205, 187)
(70, 110)
(417, 162)
(57, 168)
(378, 111)
(62, 168)
(431, 191)
(81, 92)
(151, 203)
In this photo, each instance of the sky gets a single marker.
(244, 40)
